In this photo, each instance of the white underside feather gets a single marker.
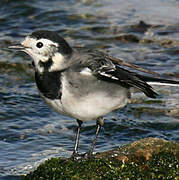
(162, 84)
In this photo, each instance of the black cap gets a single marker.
(64, 47)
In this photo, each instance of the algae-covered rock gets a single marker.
(149, 158)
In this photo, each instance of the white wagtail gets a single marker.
(83, 84)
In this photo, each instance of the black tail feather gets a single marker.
(133, 80)
(145, 88)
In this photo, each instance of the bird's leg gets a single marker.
(75, 151)
(99, 124)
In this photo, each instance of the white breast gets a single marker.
(90, 107)
(87, 107)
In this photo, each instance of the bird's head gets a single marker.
(47, 49)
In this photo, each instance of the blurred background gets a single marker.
(139, 31)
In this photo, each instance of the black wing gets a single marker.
(127, 79)
(104, 69)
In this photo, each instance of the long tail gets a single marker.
(159, 81)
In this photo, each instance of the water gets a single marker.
(30, 131)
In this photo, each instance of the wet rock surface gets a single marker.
(149, 158)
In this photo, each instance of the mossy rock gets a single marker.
(149, 158)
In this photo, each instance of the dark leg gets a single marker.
(99, 124)
(75, 151)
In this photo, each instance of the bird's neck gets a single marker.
(57, 62)
(49, 84)
(46, 65)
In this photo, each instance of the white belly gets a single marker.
(89, 101)
(92, 106)
(88, 107)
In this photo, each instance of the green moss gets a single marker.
(160, 166)
(149, 158)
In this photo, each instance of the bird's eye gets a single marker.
(39, 44)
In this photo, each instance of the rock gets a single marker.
(149, 158)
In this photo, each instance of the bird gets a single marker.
(85, 84)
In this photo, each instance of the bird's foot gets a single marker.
(77, 156)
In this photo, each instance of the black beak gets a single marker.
(18, 47)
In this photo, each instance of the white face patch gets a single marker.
(39, 53)
(58, 62)
(32, 48)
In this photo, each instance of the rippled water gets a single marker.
(143, 32)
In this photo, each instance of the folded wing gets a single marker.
(103, 68)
